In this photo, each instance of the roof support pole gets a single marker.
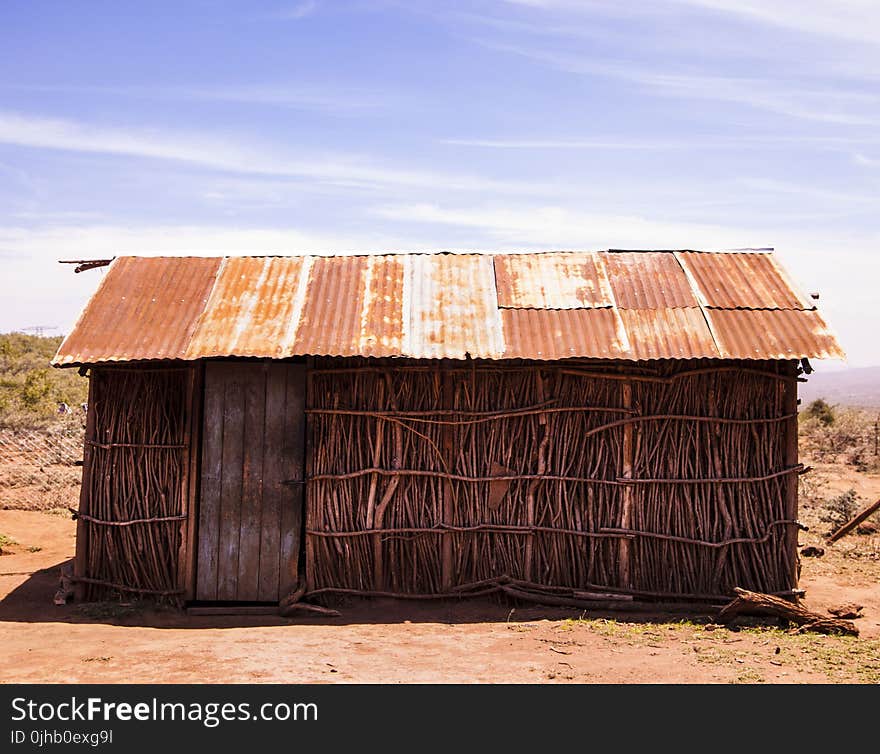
(627, 492)
(789, 408)
(529, 560)
(80, 563)
(448, 400)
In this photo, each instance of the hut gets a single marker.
(555, 426)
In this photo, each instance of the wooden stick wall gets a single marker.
(135, 484)
(668, 479)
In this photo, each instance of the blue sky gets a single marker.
(372, 125)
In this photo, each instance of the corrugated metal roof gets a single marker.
(563, 333)
(250, 309)
(453, 307)
(630, 305)
(145, 308)
(331, 312)
(668, 334)
(741, 281)
(773, 334)
(555, 280)
(644, 280)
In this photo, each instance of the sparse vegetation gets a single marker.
(820, 411)
(840, 509)
(30, 390)
(830, 434)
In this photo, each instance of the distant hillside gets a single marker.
(848, 387)
(30, 390)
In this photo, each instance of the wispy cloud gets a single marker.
(559, 227)
(299, 10)
(99, 240)
(565, 144)
(696, 141)
(826, 103)
(216, 153)
(327, 98)
(856, 20)
(852, 20)
(864, 160)
(331, 99)
(806, 191)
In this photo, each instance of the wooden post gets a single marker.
(310, 500)
(80, 563)
(790, 428)
(626, 493)
(390, 490)
(189, 496)
(448, 400)
(529, 559)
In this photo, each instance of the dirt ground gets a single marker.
(387, 642)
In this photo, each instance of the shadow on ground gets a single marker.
(31, 602)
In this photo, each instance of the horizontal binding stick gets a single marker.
(458, 477)
(703, 542)
(573, 371)
(123, 588)
(92, 520)
(476, 417)
(492, 586)
(448, 528)
(673, 377)
(715, 480)
(147, 446)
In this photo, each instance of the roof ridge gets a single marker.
(471, 253)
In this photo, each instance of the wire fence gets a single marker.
(41, 469)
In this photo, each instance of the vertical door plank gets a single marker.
(292, 461)
(211, 482)
(275, 493)
(254, 378)
(230, 494)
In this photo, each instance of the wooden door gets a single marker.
(251, 499)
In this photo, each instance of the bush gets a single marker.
(850, 439)
(838, 510)
(36, 389)
(30, 390)
(821, 411)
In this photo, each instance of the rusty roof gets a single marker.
(609, 305)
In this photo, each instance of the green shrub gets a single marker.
(821, 411)
(30, 390)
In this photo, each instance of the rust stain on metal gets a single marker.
(381, 332)
(330, 323)
(250, 308)
(647, 280)
(668, 334)
(558, 280)
(628, 305)
(549, 334)
(742, 281)
(453, 307)
(352, 306)
(145, 308)
(773, 334)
